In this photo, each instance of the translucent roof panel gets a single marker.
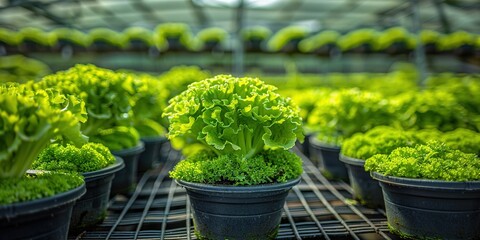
(342, 15)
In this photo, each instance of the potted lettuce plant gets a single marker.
(396, 40)
(9, 41)
(178, 78)
(430, 191)
(339, 116)
(98, 167)
(431, 41)
(173, 37)
(287, 39)
(461, 43)
(109, 100)
(254, 37)
(69, 39)
(104, 40)
(212, 38)
(359, 41)
(238, 183)
(35, 40)
(361, 146)
(322, 43)
(31, 119)
(138, 38)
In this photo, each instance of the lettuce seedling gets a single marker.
(29, 120)
(229, 115)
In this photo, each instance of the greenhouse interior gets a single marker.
(240, 119)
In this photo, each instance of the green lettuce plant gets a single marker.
(430, 37)
(357, 38)
(30, 120)
(17, 68)
(71, 35)
(139, 33)
(379, 140)
(9, 37)
(37, 35)
(255, 32)
(213, 34)
(178, 78)
(108, 36)
(434, 160)
(395, 35)
(462, 139)
(179, 31)
(349, 111)
(108, 96)
(117, 138)
(237, 117)
(70, 158)
(319, 40)
(285, 35)
(457, 39)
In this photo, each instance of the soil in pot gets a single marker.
(237, 212)
(365, 189)
(125, 180)
(431, 209)
(44, 218)
(91, 208)
(327, 159)
(153, 146)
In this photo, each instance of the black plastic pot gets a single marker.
(175, 45)
(399, 47)
(253, 45)
(91, 208)
(137, 45)
(433, 209)
(27, 46)
(237, 212)
(327, 159)
(125, 180)
(365, 188)
(291, 46)
(46, 218)
(364, 48)
(151, 154)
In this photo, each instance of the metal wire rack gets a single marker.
(315, 209)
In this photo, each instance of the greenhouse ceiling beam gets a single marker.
(199, 12)
(40, 10)
(148, 13)
(109, 17)
(290, 9)
(442, 15)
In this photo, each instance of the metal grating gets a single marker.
(315, 209)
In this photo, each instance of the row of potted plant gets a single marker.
(168, 36)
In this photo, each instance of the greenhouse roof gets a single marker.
(342, 15)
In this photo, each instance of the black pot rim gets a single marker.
(113, 168)
(239, 189)
(30, 207)
(130, 151)
(153, 139)
(313, 140)
(426, 183)
(352, 161)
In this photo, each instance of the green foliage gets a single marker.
(429, 109)
(107, 95)
(173, 30)
(234, 115)
(463, 139)
(349, 111)
(266, 167)
(139, 33)
(71, 35)
(30, 187)
(29, 120)
(379, 140)
(285, 35)
(117, 138)
(108, 36)
(306, 99)
(430, 36)
(457, 39)
(358, 37)
(178, 78)
(393, 35)
(431, 161)
(17, 68)
(9, 37)
(37, 35)
(150, 97)
(256, 32)
(88, 158)
(214, 34)
(319, 40)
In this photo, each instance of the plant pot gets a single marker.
(126, 179)
(431, 48)
(253, 45)
(137, 45)
(7, 49)
(174, 45)
(327, 159)
(364, 48)
(63, 44)
(91, 208)
(102, 46)
(365, 188)
(28, 46)
(45, 218)
(305, 146)
(432, 209)
(325, 50)
(291, 46)
(466, 50)
(397, 48)
(211, 46)
(153, 145)
(237, 212)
